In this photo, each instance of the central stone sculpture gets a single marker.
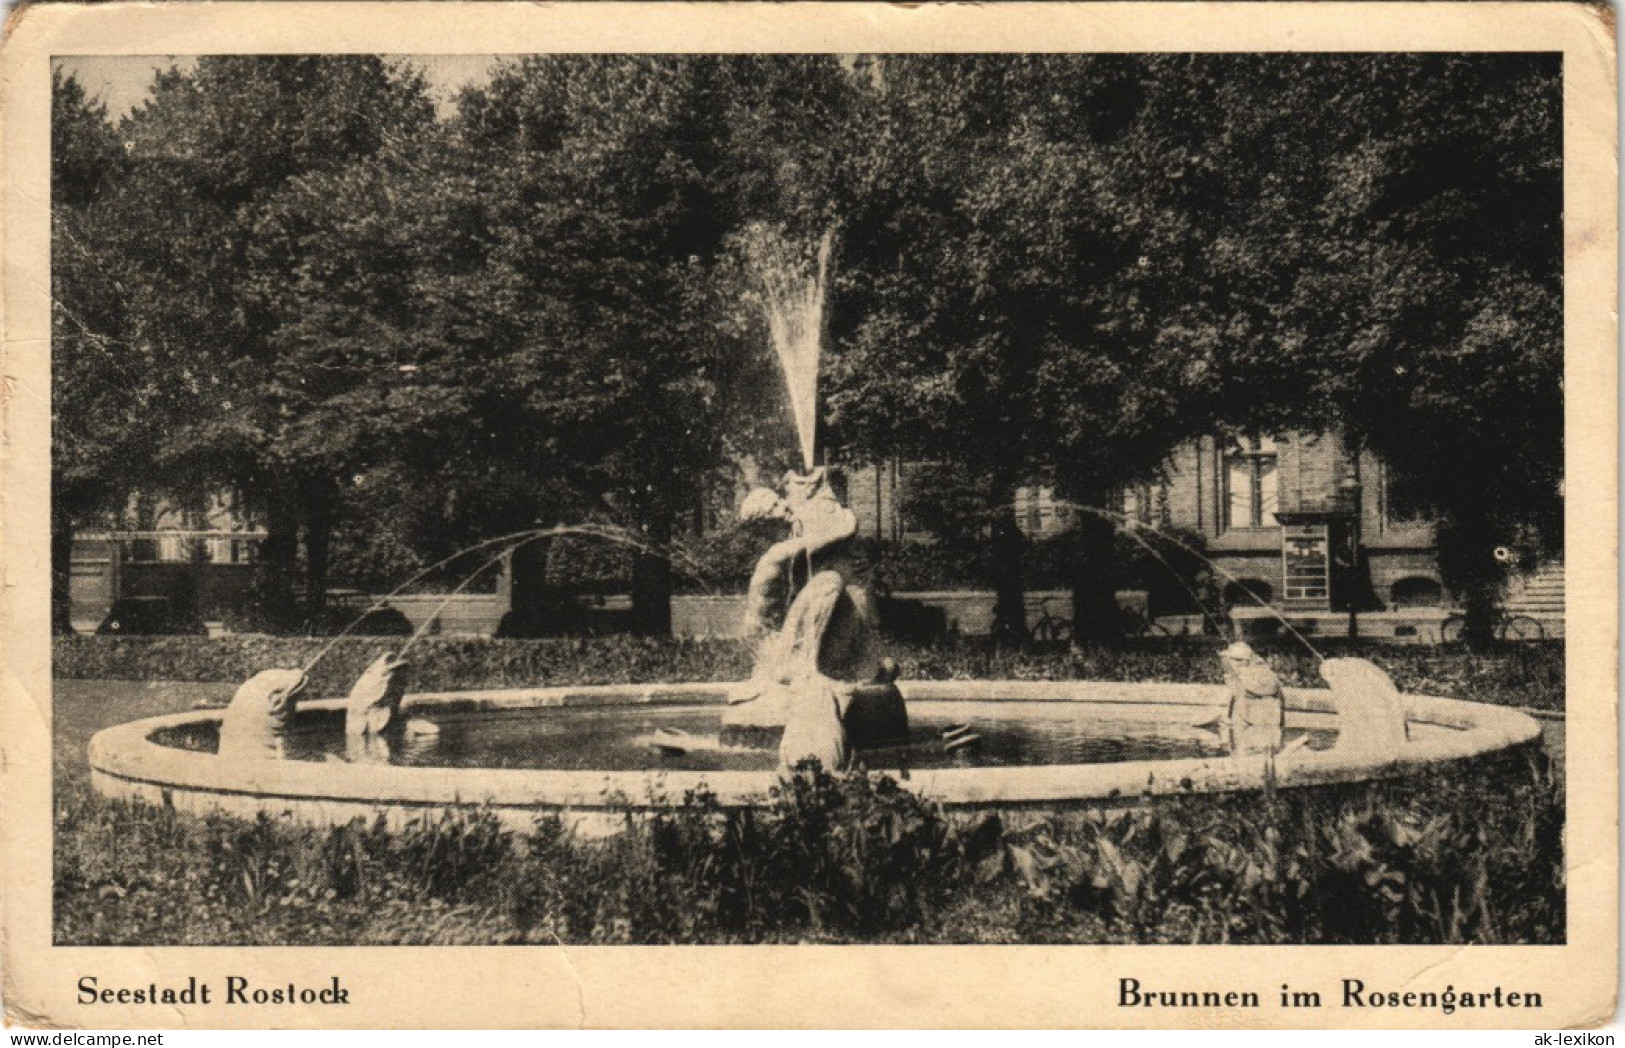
(819, 674)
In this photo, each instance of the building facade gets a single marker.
(198, 560)
(1299, 521)
(1296, 522)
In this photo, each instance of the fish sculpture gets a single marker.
(375, 731)
(257, 719)
(1370, 709)
(1256, 720)
(373, 705)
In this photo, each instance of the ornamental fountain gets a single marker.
(820, 690)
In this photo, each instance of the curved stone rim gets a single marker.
(126, 762)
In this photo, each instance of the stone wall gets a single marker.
(461, 615)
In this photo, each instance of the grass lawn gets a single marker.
(81, 708)
(1467, 853)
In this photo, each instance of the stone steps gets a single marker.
(1539, 596)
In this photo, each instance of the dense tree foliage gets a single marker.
(1003, 308)
(1387, 256)
(106, 382)
(1094, 258)
(195, 249)
(403, 332)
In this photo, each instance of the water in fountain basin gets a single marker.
(639, 738)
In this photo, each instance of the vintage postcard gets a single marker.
(803, 515)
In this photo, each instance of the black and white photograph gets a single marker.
(934, 497)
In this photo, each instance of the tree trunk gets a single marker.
(531, 603)
(1466, 548)
(1008, 545)
(1093, 571)
(320, 500)
(1478, 607)
(61, 568)
(651, 580)
(276, 608)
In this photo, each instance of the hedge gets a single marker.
(1513, 675)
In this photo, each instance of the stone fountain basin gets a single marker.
(127, 763)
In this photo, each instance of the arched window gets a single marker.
(1418, 591)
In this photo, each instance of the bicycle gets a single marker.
(1050, 628)
(1136, 623)
(1503, 627)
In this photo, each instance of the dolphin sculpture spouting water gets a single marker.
(1370, 709)
(257, 719)
(373, 705)
(374, 727)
